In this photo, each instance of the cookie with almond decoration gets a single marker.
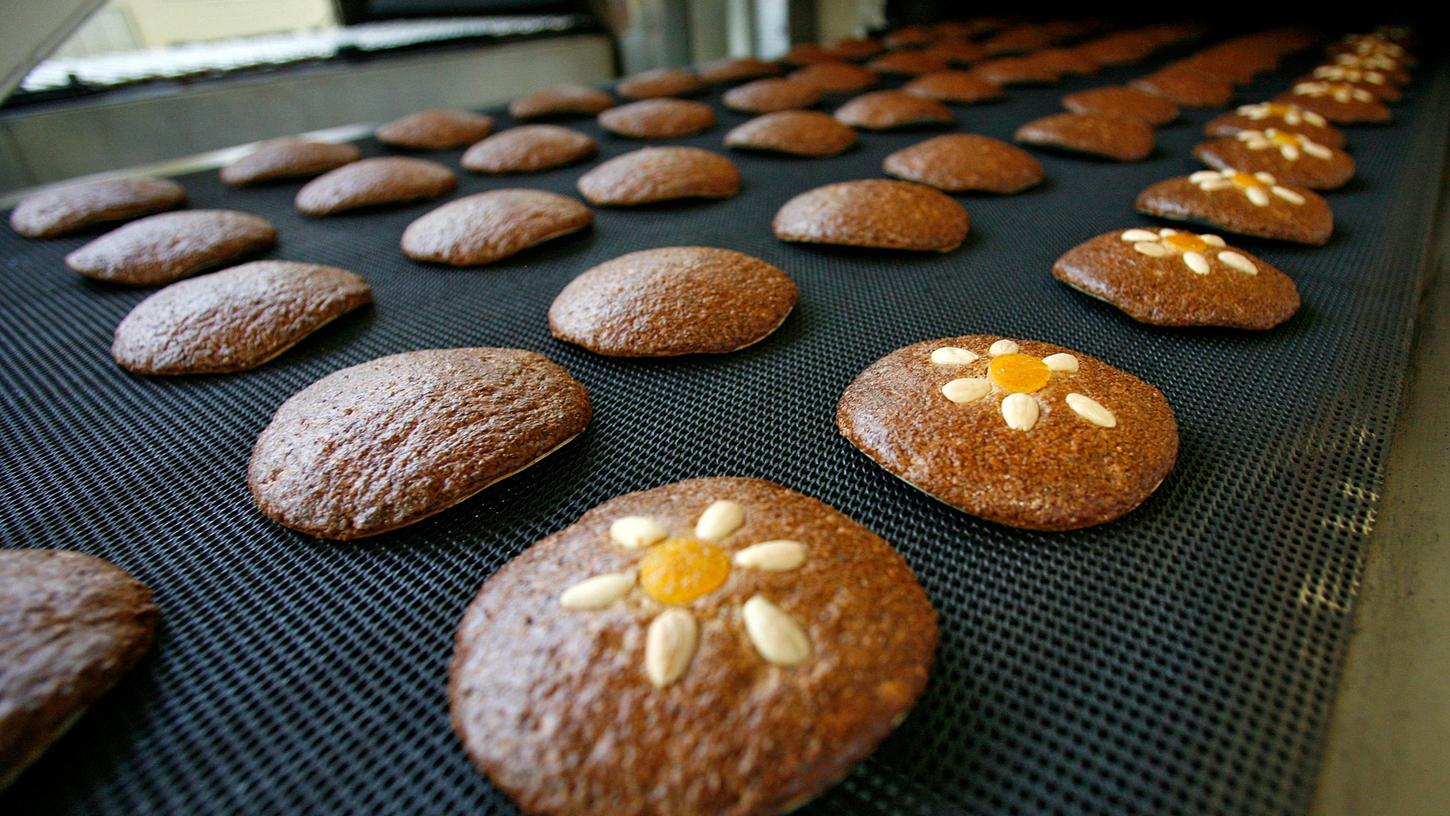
(1020, 432)
(1280, 116)
(703, 629)
(1338, 102)
(1292, 158)
(1391, 68)
(1246, 203)
(1370, 80)
(1164, 277)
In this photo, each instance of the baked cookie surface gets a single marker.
(1292, 158)
(560, 101)
(874, 213)
(1246, 203)
(438, 129)
(373, 183)
(966, 162)
(163, 248)
(658, 119)
(529, 149)
(1165, 277)
(1019, 432)
(1120, 138)
(673, 300)
(288, 158)
(795, 133)
(486, 227)
(1283, 117)
(656, 174)
(954, 87)
(725, 629)
(740, 69)
(659, 82)
(63, 210)
(770, 95)
(389, 442)
(837, 77)
(886, 110)
(1338, 102)
(1123, 101)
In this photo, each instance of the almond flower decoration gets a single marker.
(1289, 145)
(1257, 187)
(1291, 115)
(1368, 62)
(1345, 73)
(675, 571)
(1338, 91)
(1194, 249)
(1016, 377)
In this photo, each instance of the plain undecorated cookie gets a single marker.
(235, 319)
(1122, 101)
(387, 443)
(659, 82)
(671, 301)
(71, 626)
(375, 182)
(487, 227)
(874, 213)
(794, 133)
(529, 149)
(1248, 204)
(886, 110)
(732, 69)
(288, 158)
(1121, 138)
(658, 119)
(908, 63)
(965, 162)
(837, 77)
(771, 95)
(1169, 278)
(954, 87)
(63, 210)
(1020, 432)
(437, 129)
(655, 174)
(560, 101)
(1186, 88)
(163, 248)
(791, 644)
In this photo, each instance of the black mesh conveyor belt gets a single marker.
(1181, 660)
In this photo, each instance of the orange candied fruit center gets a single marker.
(1285, 138)
(1186, 242)
(680, 570)
(1018, 373)
(1277, 109)
(1245, 181)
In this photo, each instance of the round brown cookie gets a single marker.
(956, 51)
(1067, 62)
(71, 626)
(486, 227)
(1337, 102)
(978, 27)
(561, 100)
(1120, 101)
(660, 174)
(671, 301)
(235, 319)
(886, 110)
(1373, 81)
(435, 130)
(529, 149)
(1279, 116)
(288, 158)
(874, 213)
(1017, 71)
(374, 182)
(1392, 70)
(909, 63)
(1119, 48)
(965, 162)
(1019, 39)
(170, 246)
(731, 69)
(1226, 67)
(1019, 432)
(658, 119)
(63, 210)
(797, 133)
(807, 54)
(836, 77)
(912, 36)
(719, 628)
(1243, 203)
(387, 443)
(1292, 158)
(1187, 89)
(855, 48)
(659, 82)
(960, 87)
(770, 95)
(1121, 138)
(1170, 278)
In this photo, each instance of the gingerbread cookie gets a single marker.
(1338, 102)
(907, 63)
(375, 182)
(671, 301)
(954, 87)
(837, 77)
(561, 100)
(956, 51)
(1120, 101)
(64, 210)
(1169, 278)
(1018, 71)
(658, 119)
(1248, 204)
(1121, 138)
(1119, 48)
(235, 319)
(1067, 62)
(1186, 89)
(965, 162)
(529, 149)
(71, 626)
(807, 54)
(874, 213)
(435, 130)
(1292, 158)
(163, 248)
(912, 36)
(1019, 39)
(730, 69)
(1282, 117)
(486, 227)
(288, 158)
(855, 48)
(659, 82)
(795, 133)
(693, 628)
(1390, 68)
(660, 174)
(886, 110)
(1020, 432)
(770, 95)
(387, 443)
